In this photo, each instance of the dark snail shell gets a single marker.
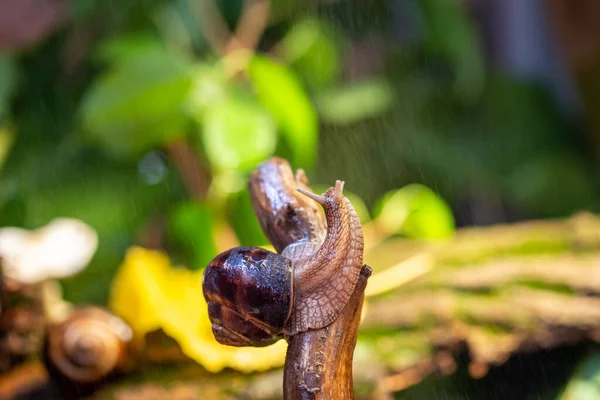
(250, 294)
(89, 347)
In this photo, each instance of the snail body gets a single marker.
(255, 296)
(88, 347)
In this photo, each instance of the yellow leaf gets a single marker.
(149, 293)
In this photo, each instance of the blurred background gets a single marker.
(144, 118)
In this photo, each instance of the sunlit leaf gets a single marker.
(281, 92)
(129, 48)
(190, 225)
(585, 384)
(7, 137)
(450, 33)
(312, 50)
(225, 183)
(209, 87)
(355, 102)
(238, 133)
(415, 211)
(138, 105)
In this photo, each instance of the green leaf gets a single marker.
(585, 384)
(127, 48)
(178, 24)
(8, 83)
(238, 133)
(7, 137)
(209, 87)
(243, 220)
(281, 92)
(311, 48)
(138, 104)
(190, 227)
(415, 211)
(356, 102)
(12, 211)
(451, 35)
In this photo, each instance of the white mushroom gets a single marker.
(58, 250)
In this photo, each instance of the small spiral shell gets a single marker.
(89, 346)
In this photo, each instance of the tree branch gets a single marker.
(318, 363)
(194, 173)
(250, 28)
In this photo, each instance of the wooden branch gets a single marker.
(252, 23)
(318, 363)
(192, 169)
(251, 26)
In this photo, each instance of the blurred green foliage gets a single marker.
(312, 48)
(8, 82)
(88, 117)
(282, 93)
(136, 104)
(415, 211)
(585, 383)
(347, 105)
(238, 133)
(427, 133)
(189, 228)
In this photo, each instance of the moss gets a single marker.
(549, 286)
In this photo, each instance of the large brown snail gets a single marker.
(255, 296)
(89, 347)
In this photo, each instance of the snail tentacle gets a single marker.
(318, 198)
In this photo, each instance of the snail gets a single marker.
(255, 296)
(87, 348)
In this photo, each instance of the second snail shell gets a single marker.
(88, 346)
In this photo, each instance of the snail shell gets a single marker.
(249, 292)
(88, 347)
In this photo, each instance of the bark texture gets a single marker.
(318, 364)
